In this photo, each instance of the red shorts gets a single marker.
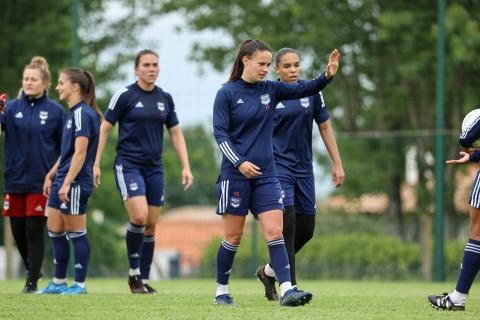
(24, 205)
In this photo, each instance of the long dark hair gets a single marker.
(87, 86)
(247, 48)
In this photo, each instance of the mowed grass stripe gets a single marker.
(192, 299)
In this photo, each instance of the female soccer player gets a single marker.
(470, 265)
(292, 150)
(70, 182)
(243, 122)
(33, 126)
(142, 109)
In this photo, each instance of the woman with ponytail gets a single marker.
(33, 126)
(70, 182)
(243, 114)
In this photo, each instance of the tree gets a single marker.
(385, 90)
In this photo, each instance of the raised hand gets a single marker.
(333, 64)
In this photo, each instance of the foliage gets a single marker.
(204, 170)
(385, 91)
(351, 255)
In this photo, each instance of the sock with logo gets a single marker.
(134, 241)
(61, 252)
(36, 246)
(225, 255)
(147, 256)
(279, 262)
(469, 268)
(81, 250)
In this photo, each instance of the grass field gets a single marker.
(192, 299)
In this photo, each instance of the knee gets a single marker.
(139, 218)
(274, 232)
(234, 238)
(150, 229)
(475, 232)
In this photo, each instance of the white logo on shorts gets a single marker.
(63, 206)
(235, 202)
(133, 186)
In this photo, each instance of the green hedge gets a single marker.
(344, 256)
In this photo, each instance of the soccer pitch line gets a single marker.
(192, 299)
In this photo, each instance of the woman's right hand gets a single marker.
(96, 176)
(47, 185)
(249, 170)
(464, 158)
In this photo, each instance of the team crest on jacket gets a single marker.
(235, 202)
(305, 102)
(161, 106)
(265, 99)
(69, 123)
(43, 115)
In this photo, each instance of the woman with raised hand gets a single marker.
(243, 115)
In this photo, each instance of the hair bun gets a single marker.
(40, 61)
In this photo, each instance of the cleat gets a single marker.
(224, 299)
(149, 288)
(295, 298)
(443, 302)
(53, 288)
(268, 283)
(30, 287)
(75, 289)
(136, 285)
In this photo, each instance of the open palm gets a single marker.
(333, 63)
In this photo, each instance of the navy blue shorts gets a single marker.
(147, 182)
(257, 195)
(299, 192)
(475, 194)
(77, 195)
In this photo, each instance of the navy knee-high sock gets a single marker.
(225, 255)
(61, 252)
(81, 249)
(147, 256)
(470, 266)
(279, 259)
(134, 241)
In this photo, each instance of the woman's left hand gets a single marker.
(338, 175)
(187, 179)
(63, 193)
(333, 64)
